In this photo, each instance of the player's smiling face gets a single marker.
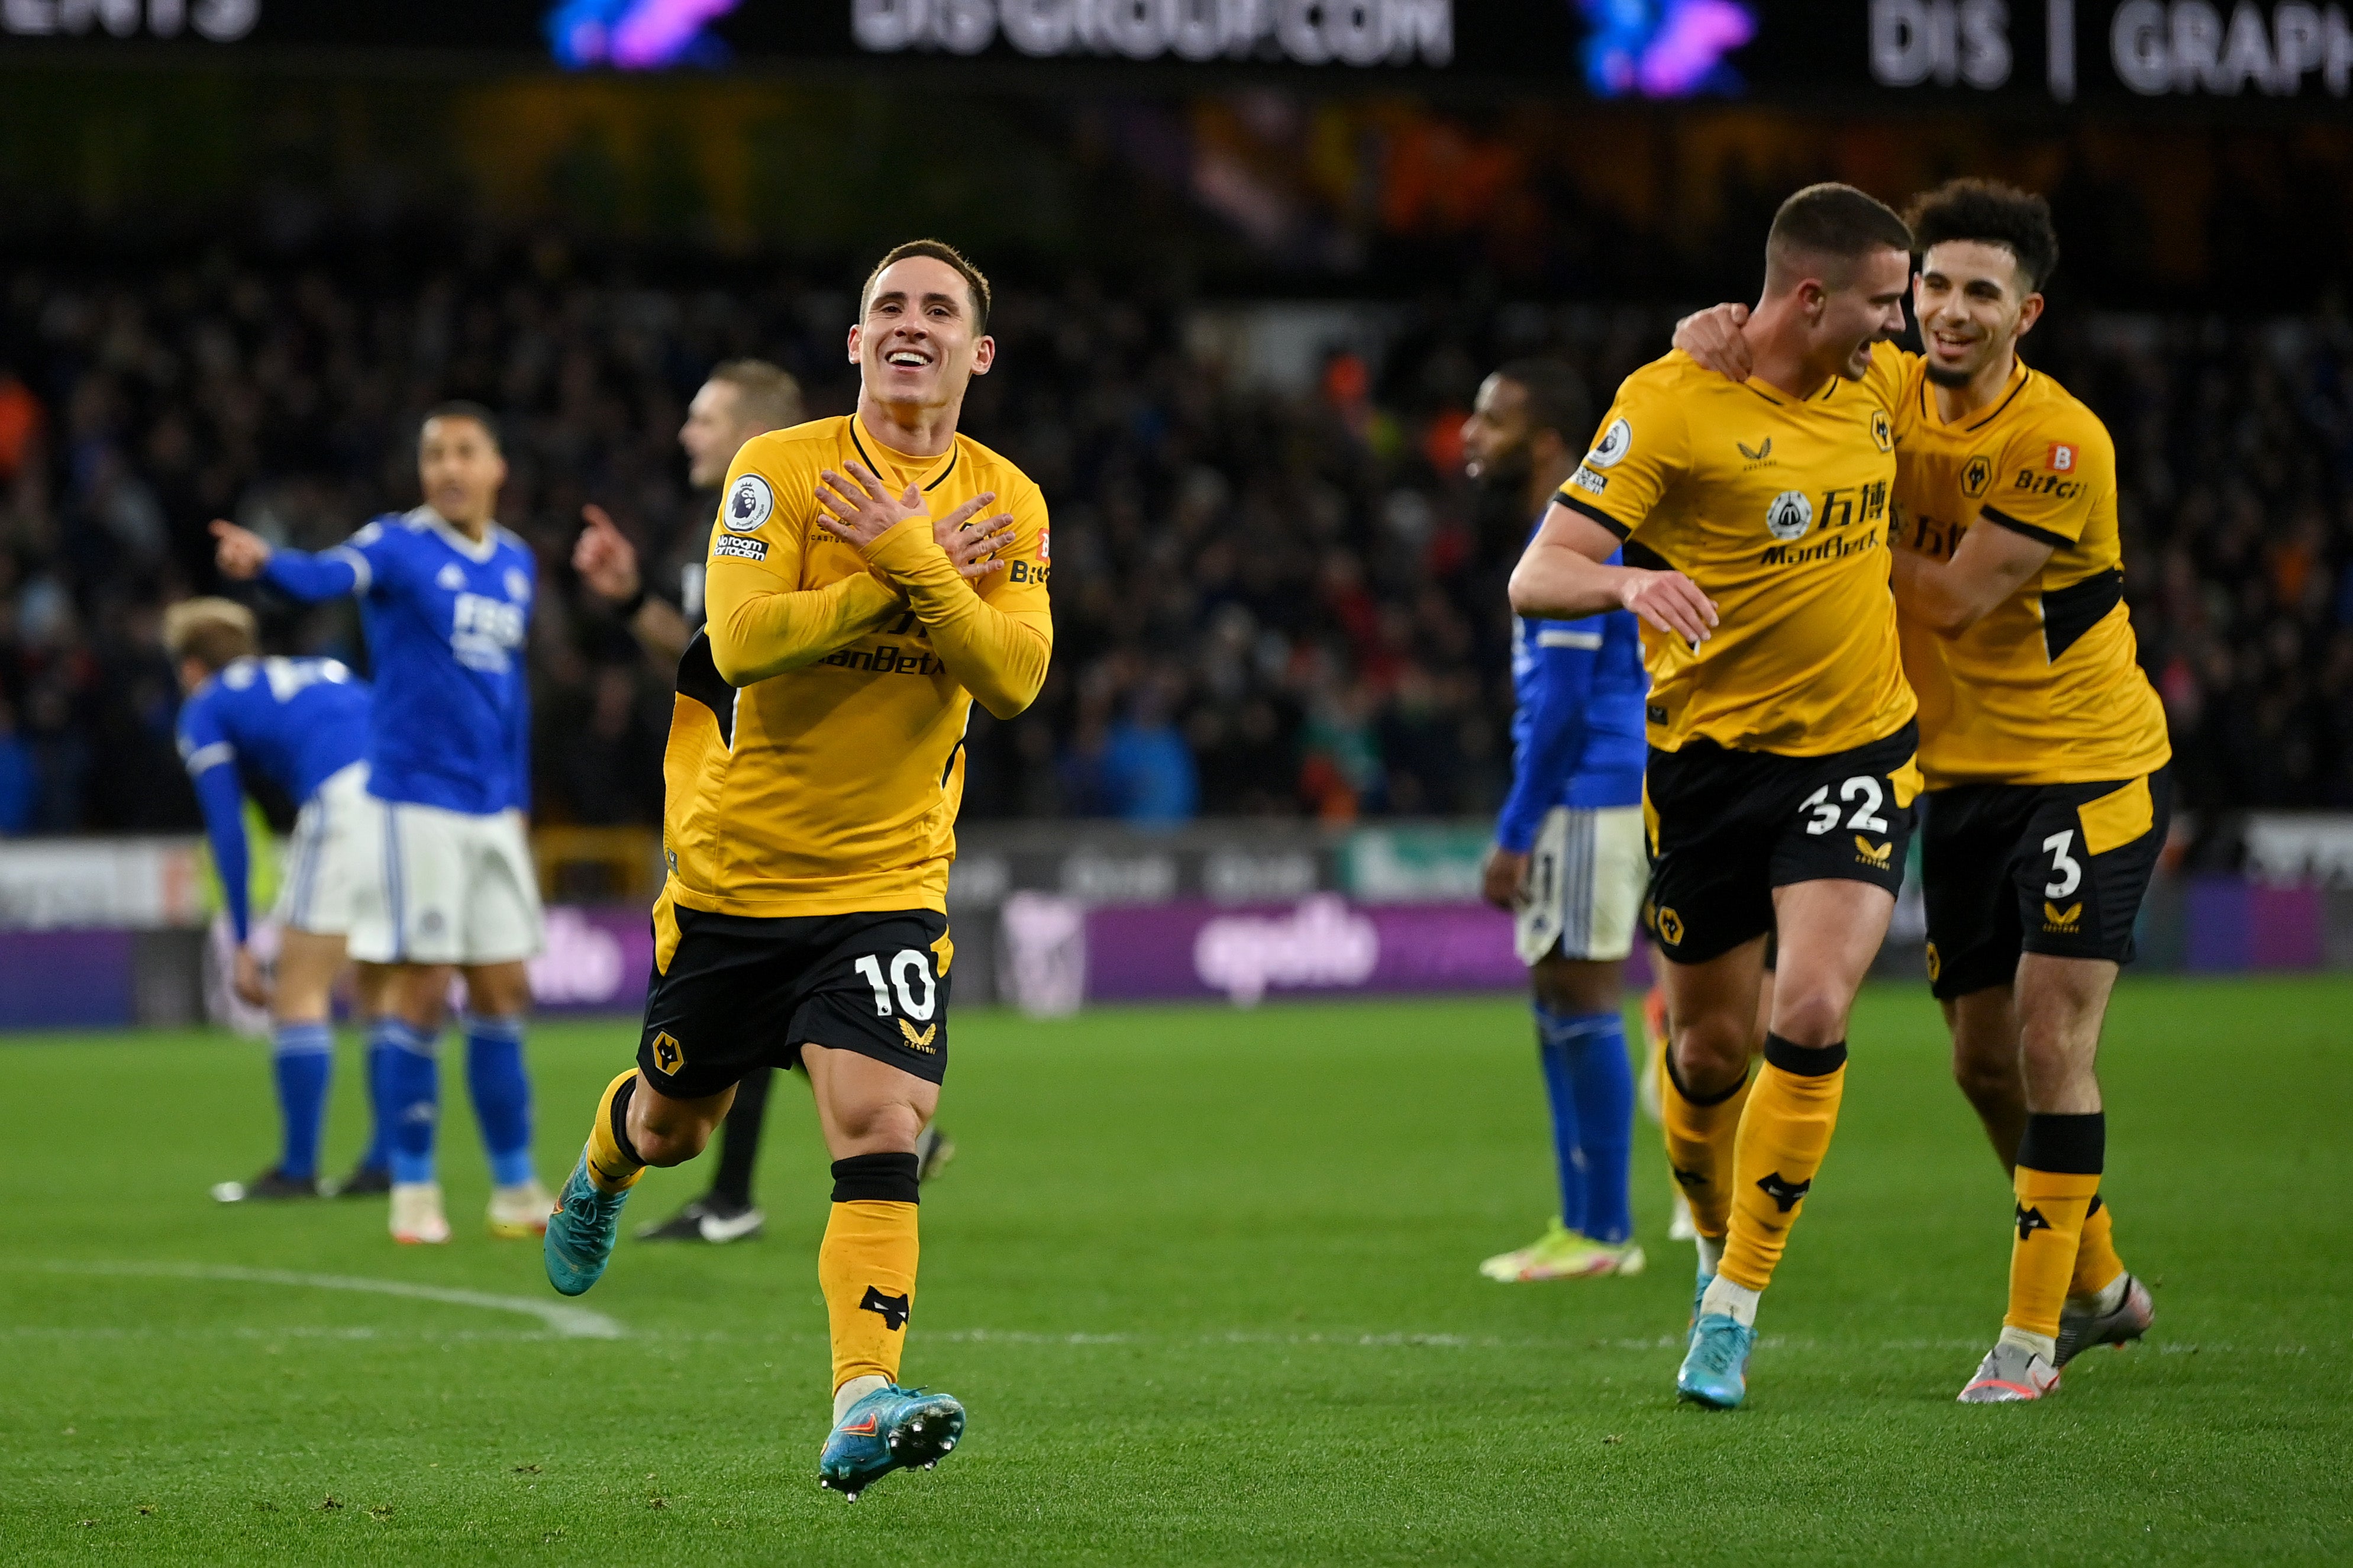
(1974, 306)
(917, 342)
(1868, 309)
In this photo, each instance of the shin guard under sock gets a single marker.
(302, 1057)
(502, 1092)
(1699, 1136)
(1785, 1131)
(866, 1264)
(412, 1098)
(613, 1163)
(2058, 1175)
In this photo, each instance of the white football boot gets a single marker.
(521, 1212)
(417, 1217)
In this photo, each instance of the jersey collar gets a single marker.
(931, 472)
(2019, 375)
(455, 537)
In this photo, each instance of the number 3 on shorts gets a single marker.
(2066, 871)
(1862, 792)
(910, 964)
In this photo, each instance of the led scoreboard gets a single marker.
(2296, 53)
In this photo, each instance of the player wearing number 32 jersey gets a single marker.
(815, 767)
(2044, 746)
(1780, 777)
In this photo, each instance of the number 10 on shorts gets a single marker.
(911, 965)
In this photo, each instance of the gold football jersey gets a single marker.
(829, 782)
(2047, 689)
(1777, 508)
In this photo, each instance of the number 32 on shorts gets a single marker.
(1862, 792)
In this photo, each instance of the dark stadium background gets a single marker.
(1205, 1273)
(230, 281)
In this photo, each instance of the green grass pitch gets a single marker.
(1207, 1281)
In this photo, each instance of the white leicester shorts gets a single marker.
(450, 887)
(319, 885)
(1587, 874)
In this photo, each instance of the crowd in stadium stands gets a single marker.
(1269, 600)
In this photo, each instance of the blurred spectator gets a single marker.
(1273, 595)
(19, 779)
(21, 423)
(1148, 774)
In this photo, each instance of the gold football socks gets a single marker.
(1699, 1135)
(866, 1264)
(1785, 1131)
(2097, 1263)
(2059, 1159)
(613, 1163)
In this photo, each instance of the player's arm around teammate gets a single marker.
(2043, 748)
(1780, 778)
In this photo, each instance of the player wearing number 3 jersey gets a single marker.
(1780, 778)
(2044, 750)
(815, 767)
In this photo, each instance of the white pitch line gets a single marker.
(566, 1321)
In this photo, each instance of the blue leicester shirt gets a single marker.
(446, 621)
(294, 722)
(1577, 731)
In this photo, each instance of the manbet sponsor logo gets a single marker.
(888, 660)
(1322, 942)
(1837, 546)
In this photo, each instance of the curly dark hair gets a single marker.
(1992, 214)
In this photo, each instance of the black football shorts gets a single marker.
(743, 992)
(1729, 827)
(2039, 868)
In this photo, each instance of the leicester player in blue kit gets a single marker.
(446, 597)
(301, 726)
(1568, 855)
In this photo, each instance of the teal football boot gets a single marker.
(892, 1428)
(581, 1232)
(1716, 1370)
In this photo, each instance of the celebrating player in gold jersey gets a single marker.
(1781, 775)
(2043, 745)
(814, 766)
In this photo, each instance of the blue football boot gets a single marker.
(1699, 1297)
(892, 1428)
(581, 1232)
(1716, 1370)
